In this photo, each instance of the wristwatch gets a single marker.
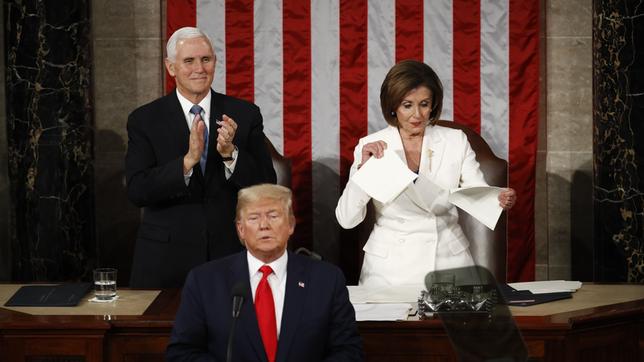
(232, 155)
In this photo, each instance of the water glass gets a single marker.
(105, 284)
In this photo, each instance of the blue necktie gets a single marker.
(197, 110)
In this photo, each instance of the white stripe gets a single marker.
(495, 55)
(437, 50)
(211, 18)
(381, 35)
(269, 66)
(325, 124)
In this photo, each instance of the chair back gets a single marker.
(488, 248)
(281, 164)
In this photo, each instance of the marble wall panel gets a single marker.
(618, 75)
(49, 132)
(5, 200)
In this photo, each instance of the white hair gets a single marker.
(186, 32)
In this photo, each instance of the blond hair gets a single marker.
(250, 195)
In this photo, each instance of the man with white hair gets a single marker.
(189, 152)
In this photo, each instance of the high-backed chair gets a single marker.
(281, 164)
(488, 247)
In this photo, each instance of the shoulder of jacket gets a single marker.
(382, 134)
(233, 101)
(157, 105)
(450, 133)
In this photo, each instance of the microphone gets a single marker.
(239, 293)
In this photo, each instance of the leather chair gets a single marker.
(281, 164)
(488, 247)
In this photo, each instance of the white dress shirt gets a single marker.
(205, 116)
(277, 281)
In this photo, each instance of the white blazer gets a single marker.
(418, 231)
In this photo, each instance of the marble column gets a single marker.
(50, 139)
(618, 118)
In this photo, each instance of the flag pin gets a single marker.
(300, 284)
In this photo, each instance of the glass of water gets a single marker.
(105, 284)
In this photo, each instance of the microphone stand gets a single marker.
(238, 300)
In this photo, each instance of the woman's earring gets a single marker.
(393, 114)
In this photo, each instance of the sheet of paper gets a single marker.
(382, 312)
(384, 178)
(391, 294)
(482, 202)
(548, 286)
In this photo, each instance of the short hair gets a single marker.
(400, 80)
(186, 32)
(250, 195)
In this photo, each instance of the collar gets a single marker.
(278, 265)
(186, 104)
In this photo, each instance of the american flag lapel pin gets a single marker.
(300, 284)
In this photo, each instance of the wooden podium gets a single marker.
(600, 323)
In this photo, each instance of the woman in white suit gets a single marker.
(418, 231)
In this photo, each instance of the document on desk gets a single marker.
(360, 294)
(382, 312)
(482, 202)
(548, 286)
(384, 178)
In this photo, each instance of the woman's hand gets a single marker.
(376, 149)
(507, 198)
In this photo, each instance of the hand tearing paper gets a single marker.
(482, 202)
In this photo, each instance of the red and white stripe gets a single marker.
(315, 68)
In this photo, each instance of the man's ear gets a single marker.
(292, 225)
(240, 230)
(169, 66)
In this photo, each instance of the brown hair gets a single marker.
(400, 80)
(253, 194)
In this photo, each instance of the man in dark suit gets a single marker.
(294, 309)
(188, 154)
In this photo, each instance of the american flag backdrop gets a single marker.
(315, 67)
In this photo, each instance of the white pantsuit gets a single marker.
(418, 231)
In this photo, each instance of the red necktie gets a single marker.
(265, 309)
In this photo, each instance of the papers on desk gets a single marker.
(531, 293)
(482, 202)
(375, 177)
(383, 303)
(382, 312)
(547, 286)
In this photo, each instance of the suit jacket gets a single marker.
(318, 321)
(184, 226)
(418, 231)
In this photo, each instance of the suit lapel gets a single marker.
(296, 290)
(177, 127)
(247, 317)
(432, 152)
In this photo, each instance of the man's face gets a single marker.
(265, 227)
(194, 68)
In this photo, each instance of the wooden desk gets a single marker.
(601, 323)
